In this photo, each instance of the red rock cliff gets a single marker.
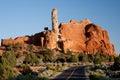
(83, 36)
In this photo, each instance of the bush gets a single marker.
(111, 58)
(59, 68)
(46, 55)
(51, 67)
(116, 64)
(97, 76)
(17, 46)
(6, 70)
(61, 58)
(10, 57)
(97, 60)
(31, 58)
(74, 58)
(28, 77)
(30, 47)
(83, 57)
(26, 69)
(90, 57)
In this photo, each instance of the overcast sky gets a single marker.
(27, 17)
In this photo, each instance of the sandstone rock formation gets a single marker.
(83, 36)
(54, 21)
(22, 40)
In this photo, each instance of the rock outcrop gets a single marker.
(22, 40)
(83, 36)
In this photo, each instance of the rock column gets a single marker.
(55, 22)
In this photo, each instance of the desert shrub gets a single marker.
(26, 69)
(10, 57)
(97, 76)
(61, 58)
(6, 71)
(7, 62)
(59, 68)
(17, 46)
(46, 55)
(28, 77)
(90, 57)
(69, 52)
(51, 67)
(74, 58)
(97, 59)
(83, 57)
(111, 58)
(30, 47)
(116, 64)
(31, 58)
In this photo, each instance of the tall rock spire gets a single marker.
(55, 21)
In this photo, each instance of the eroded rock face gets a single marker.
(83, 36)
(74, 34)
(22, 40)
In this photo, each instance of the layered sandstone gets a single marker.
(83, 36)
(22, 40)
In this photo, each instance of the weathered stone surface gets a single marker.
(55, 21)
(22, 40)
(50, 40)
(85, 36)
(74, 33)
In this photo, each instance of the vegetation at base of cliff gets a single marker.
(24, 57)
(46, 55)
(31, 58)
(105, 71)
(116, 65)
(7, 62)
(84, 57)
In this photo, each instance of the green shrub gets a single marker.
(97, 76)
(10, 57)
(61, 58)
(51, 67)
(46, 55)
(17, 46)
(116, 64)
(83, 57)
(90, 57)
(97, 60)
(26, 69)
(6, 71)
(74, 58)
(31, 58)
(28, 77)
